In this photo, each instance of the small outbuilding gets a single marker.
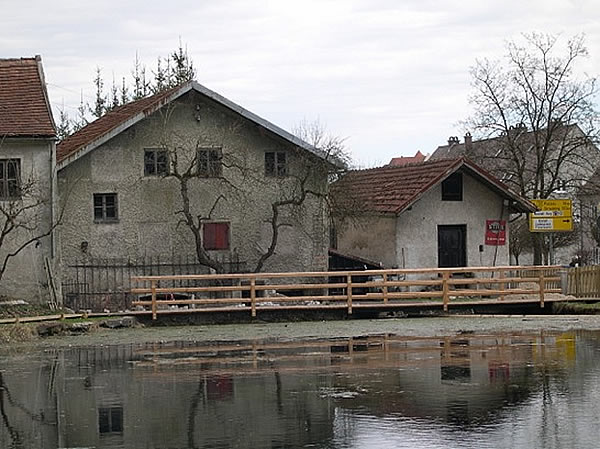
(444, 213)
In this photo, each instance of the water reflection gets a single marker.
(527, 390)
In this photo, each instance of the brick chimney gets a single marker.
(468, 142)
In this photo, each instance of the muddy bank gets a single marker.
(426, 327)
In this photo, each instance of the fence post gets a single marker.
(502, 285)
(564, 281)
(253, 295)
(154, 308)
(542, 283)
(445, 290)
(385, 288)
(349, 292)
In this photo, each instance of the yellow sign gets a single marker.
(552, 216)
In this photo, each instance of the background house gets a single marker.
(27, 179)
(569, 159)
(445, 213)
(121, 180)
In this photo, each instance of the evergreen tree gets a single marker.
(160, 77)
(124, 92)
(81, 120)
(63, 127)
(183, 67)
(114, 95)
(99, 107)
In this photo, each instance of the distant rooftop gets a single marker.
(405, 160)
(24, 107)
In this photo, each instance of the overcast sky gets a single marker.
(390, 75)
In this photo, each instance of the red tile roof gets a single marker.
(111, 120)
(405, 160)
(24, 107)
(393, 189)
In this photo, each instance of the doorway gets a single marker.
(452, 246)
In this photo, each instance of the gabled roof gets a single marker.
(24, 106)
(392, 190)
(405, 160)
(119, 119)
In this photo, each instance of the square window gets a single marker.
(452, 187)
(156, 162)
(105, 207)
(210, 162)
(276, 163)
(10, 179)
(110, 420)
(215, 236)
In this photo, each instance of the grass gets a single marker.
(583, 308)
(17, 333)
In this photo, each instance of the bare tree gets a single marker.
(540, 116)
(316, 133)
(24, 216)
(236, 180)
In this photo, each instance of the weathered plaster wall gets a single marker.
(25, 276)
(148, 224)
(371, 237)
(417, 232)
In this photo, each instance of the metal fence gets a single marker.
(99, 284)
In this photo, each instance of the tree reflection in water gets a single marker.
(295, 393)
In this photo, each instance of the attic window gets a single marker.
(276, 163)
(210, 162)
(452, 187)
(156, 162)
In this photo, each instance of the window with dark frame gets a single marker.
(276, 163)
(210, 162)
(105, 207)
(110, 420)
(156, 162)
(452, 187)
(10, 179)
(215, 236)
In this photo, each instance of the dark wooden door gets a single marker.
(452, 246)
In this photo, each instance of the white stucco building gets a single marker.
(27, 181)
(447, 213)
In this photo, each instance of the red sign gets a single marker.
(495, 232)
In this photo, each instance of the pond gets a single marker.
(471, 390)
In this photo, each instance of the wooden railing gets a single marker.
(345, 289)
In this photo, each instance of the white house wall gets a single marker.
(417, 228)
(25, 276)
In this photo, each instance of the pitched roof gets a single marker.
(24, 106)
(499, 155)
(121, 118)
(391, 190)
(405, 160)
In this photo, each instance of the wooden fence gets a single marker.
(584, 282)
(346, 289)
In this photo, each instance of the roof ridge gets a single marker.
(411, 164)
(106, 127)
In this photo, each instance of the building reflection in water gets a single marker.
(269, 393)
